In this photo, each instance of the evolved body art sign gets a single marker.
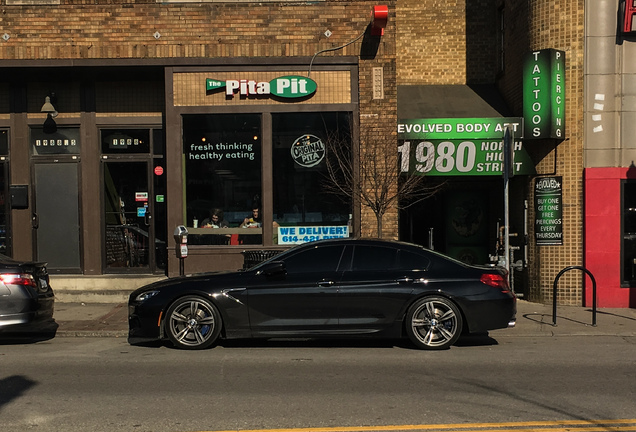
(459, 146)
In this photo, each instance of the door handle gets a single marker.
(325, 283)
(35, 221)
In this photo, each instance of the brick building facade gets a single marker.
(114, 68)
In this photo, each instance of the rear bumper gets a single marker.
(28, 313)
(491, 314)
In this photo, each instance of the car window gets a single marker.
(373, 258)
(318, 259)
(412, 261)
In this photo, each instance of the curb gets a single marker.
(92, 333)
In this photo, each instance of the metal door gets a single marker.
(56, 216)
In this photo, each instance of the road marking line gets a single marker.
(535, 426)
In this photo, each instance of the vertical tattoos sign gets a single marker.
(548, 208)
(544, 94)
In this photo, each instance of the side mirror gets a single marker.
(274, 268)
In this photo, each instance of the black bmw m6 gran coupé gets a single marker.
(329, 288)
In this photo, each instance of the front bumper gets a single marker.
(143, 322)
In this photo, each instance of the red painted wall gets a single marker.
(603, 237)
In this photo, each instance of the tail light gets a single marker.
(18, 279)
(496, 280)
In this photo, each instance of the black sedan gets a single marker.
(26, 297)
(329, 288)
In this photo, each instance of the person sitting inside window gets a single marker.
(254, 221)
(215, 220)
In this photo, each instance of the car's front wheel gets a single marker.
(434, 323)
(193, 323)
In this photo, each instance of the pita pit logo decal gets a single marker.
(286, 87)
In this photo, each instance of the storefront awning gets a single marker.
(443, 101)
(457, 130)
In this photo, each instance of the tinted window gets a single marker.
(302, 196)
(412, 261)
(373, 258)
(318, 259)
(222, 176)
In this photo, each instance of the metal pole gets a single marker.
(506, 175)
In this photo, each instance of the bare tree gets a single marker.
(375, 180)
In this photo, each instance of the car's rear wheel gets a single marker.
(434, 323)
(193, 323)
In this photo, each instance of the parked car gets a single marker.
(329, 288)
(26, 297)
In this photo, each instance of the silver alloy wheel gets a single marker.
(434, 323)
(193, 323)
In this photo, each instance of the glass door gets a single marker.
(133, 203)
(129, 228)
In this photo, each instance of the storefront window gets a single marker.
(304, 207)
(629, 233)
(5, 246)
(222, 160)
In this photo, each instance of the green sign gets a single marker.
(292, 86)
(459, 128)
(460, 146)
(460, 158)
(544, 94)
(286, 87)
(548, 224)
(212, 84)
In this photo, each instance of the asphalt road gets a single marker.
(104, 384)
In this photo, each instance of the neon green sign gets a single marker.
(544, 94)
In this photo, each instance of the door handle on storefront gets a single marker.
(35, 221)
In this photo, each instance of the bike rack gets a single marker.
(554, 293)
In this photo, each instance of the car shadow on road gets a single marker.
(28, 335)
(476, 339)
(315, 343)
(481, 339)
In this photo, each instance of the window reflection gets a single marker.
(222, 160)
(5, 247)
(300, 175)
(629, 233)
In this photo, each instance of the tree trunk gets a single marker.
(378, 216)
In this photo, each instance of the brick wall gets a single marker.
(446, 42)
(538, 25)
(149, 30)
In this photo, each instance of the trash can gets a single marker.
(253, 257)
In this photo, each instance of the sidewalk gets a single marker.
(533, 319)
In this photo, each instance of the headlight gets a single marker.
(146, 295)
